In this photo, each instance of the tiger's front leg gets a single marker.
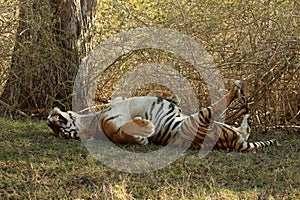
(220, 106)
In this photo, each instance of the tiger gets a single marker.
(164, 94)
(147, 120)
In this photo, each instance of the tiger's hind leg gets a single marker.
(138, 127)
(244, 132)
(220, 106)
(135, 131)
(244, 128)
(207, 115)
(196, 127)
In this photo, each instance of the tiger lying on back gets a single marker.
(150, 119)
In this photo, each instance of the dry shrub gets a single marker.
(8, 28)
(256, 41)
(47, 50)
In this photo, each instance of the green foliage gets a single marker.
(36, 165)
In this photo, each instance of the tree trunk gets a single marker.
(53, 36)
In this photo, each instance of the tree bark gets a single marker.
(53, 36)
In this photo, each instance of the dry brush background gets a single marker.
(256, 41)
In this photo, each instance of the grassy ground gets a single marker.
(37, 165)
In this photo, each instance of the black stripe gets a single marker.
(203, 117)
(189, 129)
(225, 134)
(248, 146)
(202, 129)
(176, 124)
(209, 115)
(185, 129)
(208, 141)
(175, 139)
(108, 108)
(151, 110)
(170, 117)
(241, 146)
(162, 117)
(111, 118)
(171, 110)
(255, 145)
(160, 111)
(153, 138)
(234, 140)
(159, 100)
(160, 133)
(165, 133)
(194, 123)
(168, 137)
(62, 119)
(73, 119)
(172, 106)
(164, 136)
(192, 120)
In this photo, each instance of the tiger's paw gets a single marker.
(238, 89)
(138, 127)
(237, 83)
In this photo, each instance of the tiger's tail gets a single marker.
(248, 146)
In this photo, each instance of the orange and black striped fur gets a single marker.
(151, 119)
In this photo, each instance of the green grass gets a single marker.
(36, 165)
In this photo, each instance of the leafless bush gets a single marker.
(47, 50)
(8, 27)
(256, 41)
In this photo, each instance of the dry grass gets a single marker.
(36, 165)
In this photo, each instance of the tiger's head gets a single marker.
(63, 124)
